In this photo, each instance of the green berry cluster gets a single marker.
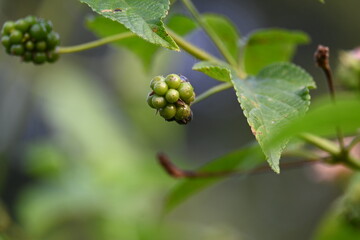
(172, 97)
(31, 38)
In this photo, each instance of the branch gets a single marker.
(94, 44)
(176, 172)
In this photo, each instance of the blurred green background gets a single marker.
(78, 141)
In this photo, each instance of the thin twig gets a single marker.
(213, 90)
(96, 43)
(176, 172)
(322, 56)
(210, 32)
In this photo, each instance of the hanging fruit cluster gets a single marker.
(32, 39)
(172, 96)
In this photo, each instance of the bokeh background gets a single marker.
(78, 141)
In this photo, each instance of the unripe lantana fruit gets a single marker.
(32, 39)
(168, 112)
(173, 81)
(158, 101)
(183, 112)
(156, 80)
(149, 100)
(160, 88)
(185, 90)
(172, 97)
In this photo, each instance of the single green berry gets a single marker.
(53, 39)
(8, 27)
(149, 100)
(22, 25)
(52, 56)
(27, 56)
(172, 95)
(16, 36)
(41, 46)
(158, 101)
(173, 81)
(168, 112)
(183, 112)
(190, 100)
(38, 31)
(17, 49)
(47, 24)
(5, 40)
(186, 90)
(29, 45)
(156, 80)
(39, 57)
(30, 20)
(160, 88)
(26, 37)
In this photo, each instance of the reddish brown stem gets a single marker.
(176, 172)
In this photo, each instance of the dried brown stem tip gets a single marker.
(322, 57)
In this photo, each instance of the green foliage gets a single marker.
(225, 31)
(323, 119)
(144, 18)
(102, 187)
(181, 24)
(348, 69)
(244, 159)
(342, 221)
(104, 27)
(217, 71)
(103, 183)
(265, 47)
(270, 100)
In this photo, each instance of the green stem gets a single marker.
(192, 49)
(352, 163)
(321, 143)
(213, 36)
(338, 154)
(353, 143)
(96, 43)
(301, 152)
(213, 90)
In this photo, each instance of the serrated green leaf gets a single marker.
(214, 70)
(142, 17)
(242, 160)
(265, 47)
(226, 32)
(270, 100)
(104, 27)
